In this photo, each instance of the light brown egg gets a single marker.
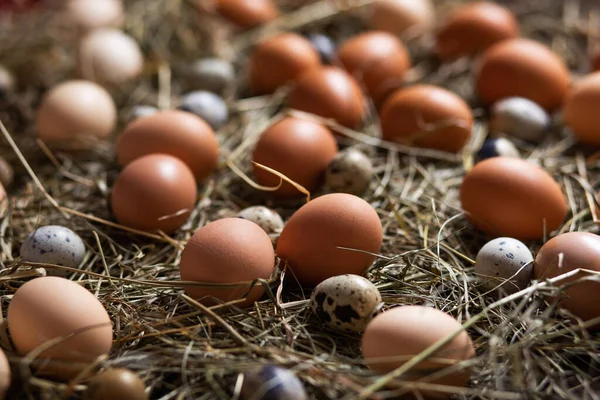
(426, 116)
(298, 148)
(506, 196)
(247, 14)
(49, 308)
(157, 191)
(524, 68)
(116, 384)
(329, 92)
(395, 336)
(401, 17)
(109, 57)
(581, 109)
(376, 59)
(87, 15)
(567, 252)
(5, 375)
(177, 133)
(279, 60)
(228, 250)
(473, 28)
(310, 239)
(75, 109)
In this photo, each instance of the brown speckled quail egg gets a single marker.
(53, 244)
(346, 302)
(506, 264)
(350, 171)
(270, 221)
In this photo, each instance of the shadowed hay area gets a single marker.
(526, 348)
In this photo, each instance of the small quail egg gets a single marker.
(271, 382)
(264, 217)
(213, 74)
(505, 260)
(140, 111)
(6, 173)
(519, 117)
(350, 171)
(207, 105)
(53, 244)
(346, 302)
(324, 45)
(498, 147)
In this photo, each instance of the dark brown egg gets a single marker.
(377, 59)
(247, 14)
(581, 109)
(329, 92)
(116, 384)
(177, 133)
(279, 60)
(523, 68)
(157, 191)
(298, 148)
(426, 116)
(473, 28)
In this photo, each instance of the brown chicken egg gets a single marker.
(329, 92)
(567, 252)
(5, 375)
(247, 14)
(402, 17)
(50, 308)
(310, 239)
(506, 196)
(524, 68)
(473, 28)
(87, 15)
(426, 116)
(177, 133)
(228, 250)
(75, 109)
(116, 384)
(395, 336)
(298, 148)
(581, 109)
(279, 60)
(377, 59)
(157, 191)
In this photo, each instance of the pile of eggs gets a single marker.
(330, 242)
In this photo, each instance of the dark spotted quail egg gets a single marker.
(271, 382)
(53, 244)
(264, 217)
(350, 171)
(346, 302)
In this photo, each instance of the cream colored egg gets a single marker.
(87, 15)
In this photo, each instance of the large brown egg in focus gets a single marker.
(247, 14)
(426, 116)
(228, 250)
(581, 109)
(523, 68)
(395, 336)
(402, 17)
(331, 93)
(50, 308)
(377, 59)
(506, 196)
(279, 60)
(310, 239)
(473, 28)
(298, 148)
(177, 133)
(157, 191)
(74, 110)
(567, 252)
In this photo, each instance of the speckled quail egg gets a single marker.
(140, 111)
(270, 221)
(53, 244)
(271, 382)
(207, 105)
(346, 302)
(497, 147)
(505, 264)
(324, 45)
(213, 74)
(350, 171)
(519, 117)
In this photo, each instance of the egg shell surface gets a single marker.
(207, 105)
(350, 171)
(53, 244)
(506, 196)
(581, 109)
(247, 14)
(519, 117)
(7, 173)
(88, 15)
(5, 375)
(269, 220)
(402, 17)
(272, 382)
(505, 264)
(497, 147)
(116, 384)
(212, 74)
